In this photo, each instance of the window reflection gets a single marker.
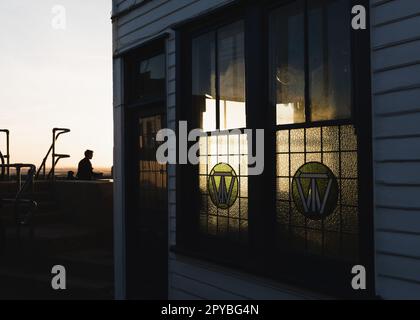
(329, 59)
(147, 77)
(204, 81)
(287, 63)
(230, 63)
(328, 63)
(232, 76)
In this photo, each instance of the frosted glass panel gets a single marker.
(331, 235)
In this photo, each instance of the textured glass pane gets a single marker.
(314, 224)
(244, 144)
(244, 208)
(313, 140)
(329, 59)
(287, 63)
(349, 192)
(332, 161)
(332, 222)
(231, 58)
(213, 160)
(330, 139)
(203, 145)
(203, 82)
(349, 165)
(223, 145)
(283, 186)
(314, 242)
(243, 187)
(297, 219)
(223, 225)
(313, 157)
(234, 144)
(350, 220)
(348, 139)
(297, 140)
(324, 236)
(283, 141)
(212, 145)
(244, 165)
(234, 163)
(223, 159)
(283, 165)
(203, 165)
(296, 161)
(212, 225)
(238, 209)
(234, 210)
(203, 184)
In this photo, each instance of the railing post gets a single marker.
(8, 153)
(53, 157)
(19, 177)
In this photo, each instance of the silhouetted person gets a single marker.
(85, 170)
(70, 175)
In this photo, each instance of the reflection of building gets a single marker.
(297, 70)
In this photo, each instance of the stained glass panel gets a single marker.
(332, 234)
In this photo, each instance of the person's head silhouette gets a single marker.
(89, 154)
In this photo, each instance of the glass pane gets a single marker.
(287, 63)
(224, 184)
(203, 82)
(152, 175)
(309, 176)
(147, 77)
(329, 59)
(231, 65)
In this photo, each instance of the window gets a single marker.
(305, 209)
(218, 79)
(218, 91)
(311, 52)
(310, 57)
(146, 75)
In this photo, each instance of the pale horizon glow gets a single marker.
(56, 78)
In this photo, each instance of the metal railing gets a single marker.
(57, 132)
(23, 208)
(5, 158)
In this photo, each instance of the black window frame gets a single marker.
(260, 256)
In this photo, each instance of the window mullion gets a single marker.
(307, 79)
(217, 78)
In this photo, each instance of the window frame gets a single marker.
(260, 251)
(131, 58)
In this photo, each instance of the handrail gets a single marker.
(56, 133)
(7, 155)
(21, 189)
(2, 171)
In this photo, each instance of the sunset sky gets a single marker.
(53, 77)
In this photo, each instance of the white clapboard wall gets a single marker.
(395, 37)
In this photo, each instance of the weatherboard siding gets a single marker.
(395, 34)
